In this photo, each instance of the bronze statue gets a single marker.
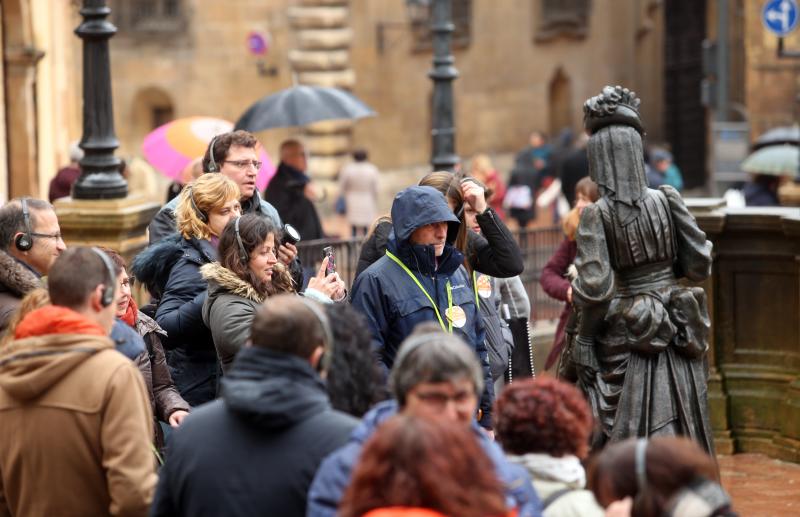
(642, 338)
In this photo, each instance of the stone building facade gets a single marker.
(523, 65)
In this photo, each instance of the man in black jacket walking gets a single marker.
(290, 191)
(255, 450)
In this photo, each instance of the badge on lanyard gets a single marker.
(484, 286)
(457, 316)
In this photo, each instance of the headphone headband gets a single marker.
(212, 162)
(641, 464)
(243, 255)
(108, 291)
(200, 214)
(325, 325)
(24, 242)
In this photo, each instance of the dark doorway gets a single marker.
(685, 116)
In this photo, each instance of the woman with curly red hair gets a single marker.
(544, 425)
(421, 467)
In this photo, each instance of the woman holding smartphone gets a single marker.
(248, 271)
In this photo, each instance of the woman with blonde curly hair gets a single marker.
(203, 211)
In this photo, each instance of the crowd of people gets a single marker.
(249, 385)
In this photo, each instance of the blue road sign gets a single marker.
(780, 16)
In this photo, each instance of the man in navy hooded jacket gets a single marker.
(421, 278)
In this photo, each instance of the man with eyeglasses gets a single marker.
(435, 376)
(292, 192)
(235, 155)
(30, 241)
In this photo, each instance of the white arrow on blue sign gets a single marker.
(780, 16)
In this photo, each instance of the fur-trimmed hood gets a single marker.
(15, 278)
(224, 281)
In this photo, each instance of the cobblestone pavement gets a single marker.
(761, 486)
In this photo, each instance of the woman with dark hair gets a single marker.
(411, 464)
(248, 271)
(353, 380)
(665, 476)
(167, 404)
(544, 424)
(559, 272)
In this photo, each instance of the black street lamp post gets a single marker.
(100, 170)
(443, 73)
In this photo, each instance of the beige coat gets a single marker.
(76, 429)
(358, 183)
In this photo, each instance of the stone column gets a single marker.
(322, 57)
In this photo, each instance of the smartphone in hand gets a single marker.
(327, 251)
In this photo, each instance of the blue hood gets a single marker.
(417, 206)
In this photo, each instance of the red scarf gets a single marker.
(131, 314)
(53, 319)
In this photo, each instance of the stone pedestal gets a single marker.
(119, 224)
(754, 302)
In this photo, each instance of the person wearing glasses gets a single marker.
(292, 192)
(30, 241)
(435, 377)
(235, 156)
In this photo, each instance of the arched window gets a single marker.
(149, 16)
(569, 18)
(560, 102)
(462, 19)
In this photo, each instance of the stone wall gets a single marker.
(503, 92)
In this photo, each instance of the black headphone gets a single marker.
(108, 291)
(243, 256)
(200, 214)
(24, 241)
(327, 333)
(212, 163)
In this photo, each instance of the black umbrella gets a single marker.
(778, 136)
(301, 105)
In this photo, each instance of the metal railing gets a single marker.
(537, 245)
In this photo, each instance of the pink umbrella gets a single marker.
(171, 147)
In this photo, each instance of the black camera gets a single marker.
(290, 235)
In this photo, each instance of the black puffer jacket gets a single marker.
(189, 346)
(255, 451)
(494, 253)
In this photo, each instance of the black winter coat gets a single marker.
(494, 253)
(255, 451)
(189, 345)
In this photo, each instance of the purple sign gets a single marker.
(257, 43)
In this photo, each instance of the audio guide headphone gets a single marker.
(243, 256)
(212, 162)
(24, 241)
(200, 214)
(107, 297)
(327, 333)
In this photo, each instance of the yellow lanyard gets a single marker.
(449, 326)
(475, 288)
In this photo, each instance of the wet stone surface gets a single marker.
(761, 486)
